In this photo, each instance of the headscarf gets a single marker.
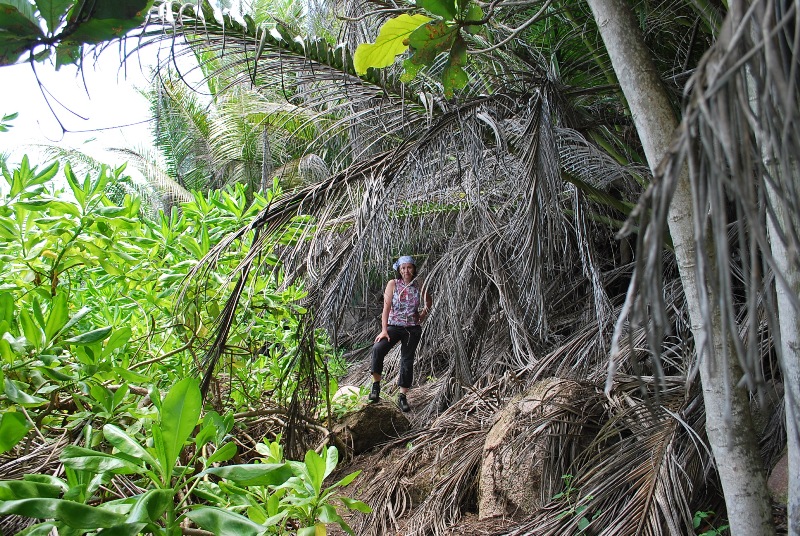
(405, 259)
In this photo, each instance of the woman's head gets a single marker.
(403, 264)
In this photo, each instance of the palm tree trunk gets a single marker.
(790, 355)
(728, 421)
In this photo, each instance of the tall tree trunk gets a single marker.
(728, 421)
(790, 359)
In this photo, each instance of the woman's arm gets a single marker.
(387, 306)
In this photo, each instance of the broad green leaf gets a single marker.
(74, 184)
(315, 466)
(122, 9)
(84, 459)
(257, 474)
(391, 41)
(180, 411)
(131, 376)
(76, 318)
(316, 530)
(442, 8)
(354, 504)
(453, 77)
(40, 529)
(346, 480)
(13, 427)
(32, 331)
(57, 317)
(410, 71)
(77, 515)
(474, 13)
(90, 336)
(53, 205)
(6, 351)
(331, 460)
(22, 489)
(119, 395)
(220, 521)
(126, 529)
(55, 374)
(6, 307)
(53, 12)
(18, 18)
(223, 454)
(118, 339)
(150, 506)
(126, 444)
(431, 39)
(97, 30)
(15, 394)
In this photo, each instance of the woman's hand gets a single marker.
(383, 335)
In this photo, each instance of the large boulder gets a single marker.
(370, 426)
(512, 480)
(778, 483)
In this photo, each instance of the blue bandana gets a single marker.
(405, 259)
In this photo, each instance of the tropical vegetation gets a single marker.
(599, 192)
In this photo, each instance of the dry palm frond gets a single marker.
(450, 451)
(640, 473)
(740, 139)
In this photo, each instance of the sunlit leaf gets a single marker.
(74, 514)
(264, 474)
(180, 411)
(220, 521)
(391, 41)
(13, 427)
(90, 336)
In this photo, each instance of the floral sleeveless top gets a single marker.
(405, 302)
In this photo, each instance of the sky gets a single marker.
(100, 109)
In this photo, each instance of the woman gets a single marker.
(400, 323)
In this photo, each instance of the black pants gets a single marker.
(409, 339)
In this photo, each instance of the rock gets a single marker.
(778, 483)
(511, 477)
(371, 425)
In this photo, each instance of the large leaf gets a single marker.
(126, 444)
(315, 465)
(53, 12)
(17, 395)
(179, 414)
(84, 459)
(443, 8)
(57, 317)
(18, 17)
(431, 39)
(392, 40)
(150, 506)
(223, 454)
(90, 336)
(263, 474)
(32, 331)
(23, 489)
(6, 307)
(13, 427)
(221, 521)
(77, 515)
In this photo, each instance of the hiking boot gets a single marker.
(375, 394)
(403, 403)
